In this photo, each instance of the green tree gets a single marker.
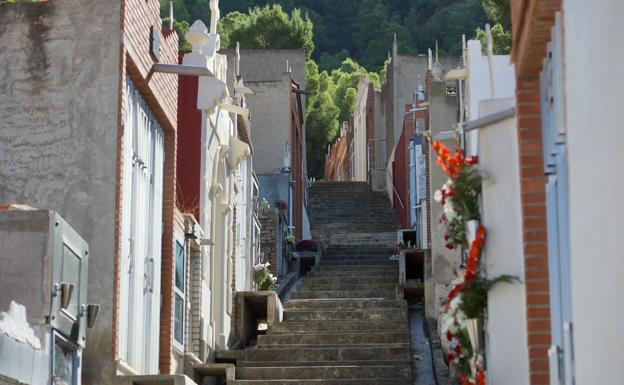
(321, 117)
(181, 28)
(499, 11)
(501, 40)
(346, 79)
(268, 27)
(364, 29)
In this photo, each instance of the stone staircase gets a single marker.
(349, 213)
(343, 324)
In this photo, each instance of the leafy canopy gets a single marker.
(360, 29)
(268, 27)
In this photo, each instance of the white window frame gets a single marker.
(142, 194)
(177, 292)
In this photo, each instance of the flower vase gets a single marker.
(475, 333)
(471, 230)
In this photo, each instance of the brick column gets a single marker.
(533, 200)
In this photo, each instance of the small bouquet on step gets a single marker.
(263, 277)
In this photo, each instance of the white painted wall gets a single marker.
(507, 353)
(218, 196)
(594, 58)
(360, 145)
(478, 84)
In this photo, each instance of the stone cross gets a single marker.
(197, 36)
(215, 15)
(237, 59)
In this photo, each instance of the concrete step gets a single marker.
(308, 327)
(310, 304)
(343, 294)
(345, 315)
(324, 372)
(326, 273)
(275, 364)
(368, 286)
(359, 262)
(350, 280)
(333, 338)
(323, 382)
(335, 355)
(353, 269)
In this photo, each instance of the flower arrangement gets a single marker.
(281, 205)
(459, 195)
(396, 251)
(307, 245)
(460, 354)
(467, 297)
(263, 277)
(290, 239)
(264, 205)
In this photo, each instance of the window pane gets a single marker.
(71, 274)
(179, 266)
(178, 324)
(63, 364)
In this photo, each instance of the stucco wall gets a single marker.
(503, 254)
(478, 84)
(410, 71)
(59, 82)
(260, 65)
(442, 117)
(270, 111)
(594, 80)
(360, 145)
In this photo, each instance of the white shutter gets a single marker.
(142, 234)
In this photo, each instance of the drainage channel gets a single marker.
(422, 362)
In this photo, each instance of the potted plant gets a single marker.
(281, 205)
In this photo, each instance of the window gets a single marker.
(143, 161)
(71, 274)
(64, 362)
(178, 294)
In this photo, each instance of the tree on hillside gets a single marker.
(364, 29)
(321, 117)
(268, 27)
(499, 11)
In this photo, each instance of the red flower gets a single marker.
(449, 335)
(457, 349)
(449, 357)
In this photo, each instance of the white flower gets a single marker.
(437, 196)
(449, 211)
(448, 185)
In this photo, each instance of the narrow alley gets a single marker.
(311, 192)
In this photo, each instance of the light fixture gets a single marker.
(92, 313)
(67, 290)
(206, 242)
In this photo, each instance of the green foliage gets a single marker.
(501, 40)
(181, 27)
(467, 189)
(361, 29)
(263, 278)
(474, 295)
(499, 11)
(321, 117)
(267, 27)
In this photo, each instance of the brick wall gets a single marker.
(161, 94)
(269, 238)
(532, 22)
(139, 16)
